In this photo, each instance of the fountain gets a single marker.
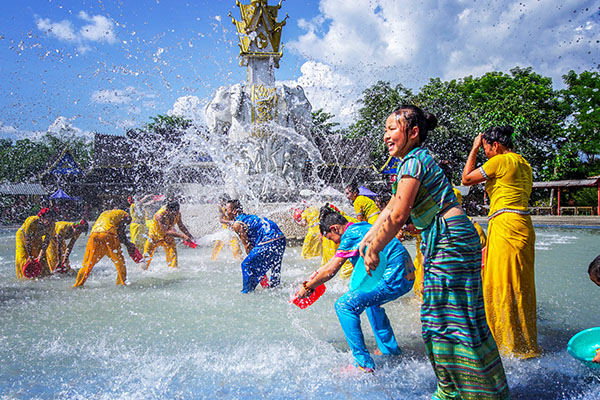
(266, 122)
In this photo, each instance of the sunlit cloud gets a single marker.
(401, 41)
(189, 107)
(99, 29)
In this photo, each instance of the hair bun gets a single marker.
(431, 121)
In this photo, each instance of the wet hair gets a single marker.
(236, 205)
(330, 215)
(224, 198)
(173, 205)
(594, 268)
(352, 187)
(500, 134)
(414, 116)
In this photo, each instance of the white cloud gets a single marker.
(408, 42)
(98, 29)
(189, 107)
(116, 96)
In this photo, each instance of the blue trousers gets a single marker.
(348, 309)
(261, 259)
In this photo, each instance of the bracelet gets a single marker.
(306, 288)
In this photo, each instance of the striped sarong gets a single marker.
(459, 344)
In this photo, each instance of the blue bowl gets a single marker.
(360, 280)
(583, 345)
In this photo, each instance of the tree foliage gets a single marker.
(24, 159)
(378, 102)
(556, 131)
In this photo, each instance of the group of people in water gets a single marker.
(470, 315)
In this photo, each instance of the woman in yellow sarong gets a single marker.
(137, 228)
(32, 240)
(313, 242)
(162, 234)
(508, 275)
(59, 251)
(108, 233)
(234, 242)
(365, 208)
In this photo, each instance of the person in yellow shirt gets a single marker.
(508, 275)
(108, 233)
(234, 243)
(137, 228)
(162, 234)
(313, 242)
(365, 208)
(33, 239)
(58, 251)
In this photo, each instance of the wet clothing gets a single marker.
(234, 244)
(457, 338)
(30, 232)
(267, 244)
(313, 242)
(509, 276)
(104, 241)
(367, 208)
(137, 228)
(393, 284)
(158, 237)
(63, 230)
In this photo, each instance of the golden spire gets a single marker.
(259, 31)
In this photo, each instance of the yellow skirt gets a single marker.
(418, 263)
(313, 243)
(509, 285)
(52, 254)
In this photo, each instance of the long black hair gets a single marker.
(414, 116)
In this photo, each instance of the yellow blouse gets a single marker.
(311, 215)
(508, 182)
(31, 228)
(63, 229)
(367, 207)
(155, 231)
(109, 221)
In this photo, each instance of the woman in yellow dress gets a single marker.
(162, 233)
(108, 233)
(32, 240)
(234, 242)
(137, 228)
(58, 251)
(365, 208)
(508, 275)
(313, 242)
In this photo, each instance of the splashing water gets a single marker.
(188, 333)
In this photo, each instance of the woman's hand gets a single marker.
(302, 293)
(477, 142)
(371, 261)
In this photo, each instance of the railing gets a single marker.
(581, 210)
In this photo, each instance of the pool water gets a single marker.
(189, 333)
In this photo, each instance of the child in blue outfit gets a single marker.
(397, 280)
(264, 243)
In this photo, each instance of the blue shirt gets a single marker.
(397, 256)
(261, 230)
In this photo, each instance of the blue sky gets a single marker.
(109, 65)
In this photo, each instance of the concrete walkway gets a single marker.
(563, 221)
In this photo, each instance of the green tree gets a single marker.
(378, 102)
(526, 101)
(579, 145)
